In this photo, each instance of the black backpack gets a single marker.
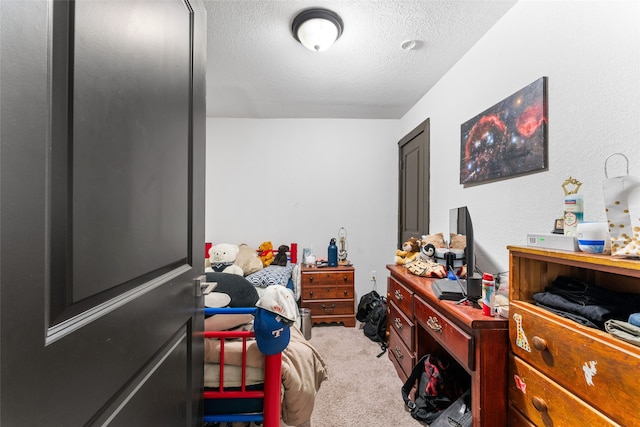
(438, 387)
(372, 311)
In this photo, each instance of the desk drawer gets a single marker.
(457, 342)
(590, 363)
(400, 354)
(545, 402)
(401, 296)
(401, 325)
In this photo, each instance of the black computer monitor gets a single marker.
(460, 225)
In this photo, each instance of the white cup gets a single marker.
(592, 236)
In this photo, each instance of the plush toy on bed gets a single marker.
(409, 252)
(265, 253)
(281, 257)
(247, 259)
(223, 256)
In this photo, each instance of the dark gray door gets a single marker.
(413, 209)
(102, 124)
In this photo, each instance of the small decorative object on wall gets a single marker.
(508, 139)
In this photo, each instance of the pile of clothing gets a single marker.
(590, 305)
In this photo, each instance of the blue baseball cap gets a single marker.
(272, 331)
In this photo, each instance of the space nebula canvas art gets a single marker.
(507, 139)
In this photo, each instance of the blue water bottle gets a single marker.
(332, 257)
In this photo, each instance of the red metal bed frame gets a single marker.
(272, 377)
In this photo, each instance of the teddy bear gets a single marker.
(409, 252)
(281, 257)
(223, 256)
(265, 253)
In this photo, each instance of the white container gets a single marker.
(592, 236)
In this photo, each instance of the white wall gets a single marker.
(590, 52)
(301, 180)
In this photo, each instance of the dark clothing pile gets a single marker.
(585, 303)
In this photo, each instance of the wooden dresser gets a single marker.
(421, 324)
(560, 372)
(329, 293)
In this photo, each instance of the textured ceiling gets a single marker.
(256, 69)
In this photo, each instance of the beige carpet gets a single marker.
(362, 390)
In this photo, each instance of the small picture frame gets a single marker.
(558, 227)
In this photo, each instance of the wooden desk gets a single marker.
(419, 323)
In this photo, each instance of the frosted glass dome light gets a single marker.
(317, 29)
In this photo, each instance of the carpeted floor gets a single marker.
(362, 390)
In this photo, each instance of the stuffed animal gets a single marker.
(281, 257)
(409, 252)
(427, 252)
(265, 253)
(247, 259)
(429, 244)
(223, 256)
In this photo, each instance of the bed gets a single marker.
(239, 379)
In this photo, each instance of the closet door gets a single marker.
(413, 209)
(101, 212)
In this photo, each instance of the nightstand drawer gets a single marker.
(458, 343)
(545, 402)
(330, 307)
(401, 296)
(403, 327)
(595, 366)
(312, 292)
(327, 278)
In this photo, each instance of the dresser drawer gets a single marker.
(401, 296)
(594, 366)
(457, 342)
(311, 292)
(545, 402)
(400, 354)
(327, 278)
(401, 324)
(330, 307)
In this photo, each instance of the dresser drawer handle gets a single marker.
(345, 292)
(328, 310)
(433, 324)
(399, 354)
(398, 323)
(311, 279)
(539, 404)
(345, 278)
(310, 294)
(398, 295)
(539, 343)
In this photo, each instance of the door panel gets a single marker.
(101, 212)
(413, 209)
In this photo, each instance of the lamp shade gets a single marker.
(317, 29)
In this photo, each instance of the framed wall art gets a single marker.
(508, 139)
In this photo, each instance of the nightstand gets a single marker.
(328, 292)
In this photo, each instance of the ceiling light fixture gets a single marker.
(317, 29)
